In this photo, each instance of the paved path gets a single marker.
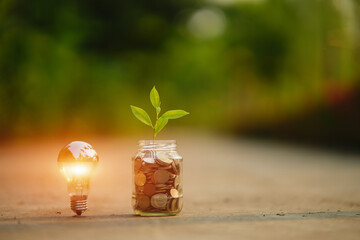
(233, 189)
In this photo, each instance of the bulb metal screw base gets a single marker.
(78, 204)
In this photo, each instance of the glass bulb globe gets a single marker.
(77, 162)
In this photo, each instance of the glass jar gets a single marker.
(157, 176)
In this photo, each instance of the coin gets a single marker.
(149, 160)
(137, 164)
(149, 156)
(176, 181)
(163, 159)
(160, 191)
(146, 171)
(140, 179)
(159, 200)
(161, 176)
(174, 205)
(180, 204)
(143, 201)
(180, 188)
(149, 189)
(139, 189)
(174, 193)
(152, 179)
(150, 166)
(168, 206)
(165, 168)
(174, 168)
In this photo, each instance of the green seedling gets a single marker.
(161, 121)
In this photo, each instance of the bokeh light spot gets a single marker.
(207, 23)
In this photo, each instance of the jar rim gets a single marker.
(157, 144)
(157, 141)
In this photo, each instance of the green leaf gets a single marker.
(174, 114)
(141, 115)
(160, 124)
(155, 98)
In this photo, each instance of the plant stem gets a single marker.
(157, 117)
(154, 137)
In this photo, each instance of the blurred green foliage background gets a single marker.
(270, 68)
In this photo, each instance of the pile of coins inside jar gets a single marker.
(157, 183)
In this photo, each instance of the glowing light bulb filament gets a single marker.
(80, 170)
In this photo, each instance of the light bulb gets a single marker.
(77, 162)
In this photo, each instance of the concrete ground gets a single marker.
(233, 189)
